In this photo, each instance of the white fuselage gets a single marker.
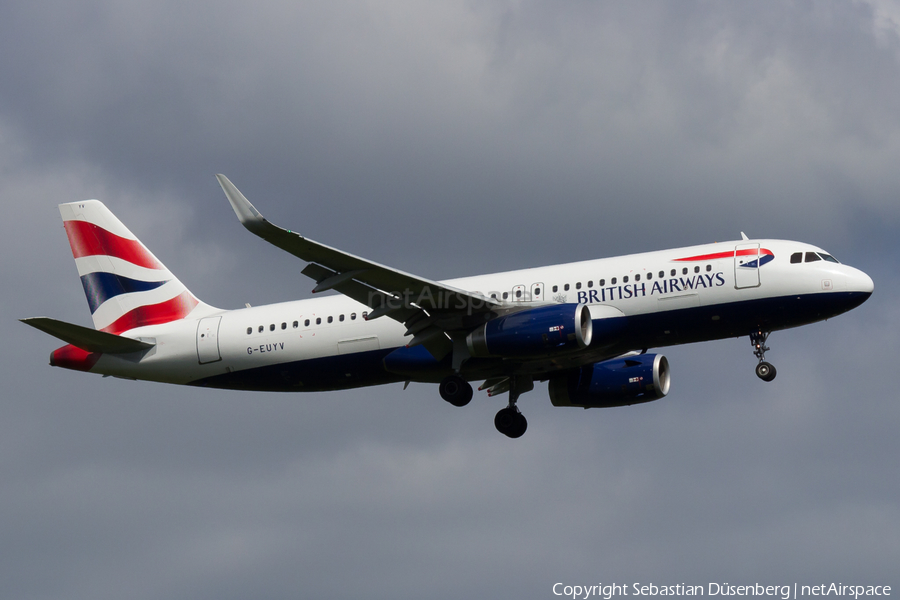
(666, 286)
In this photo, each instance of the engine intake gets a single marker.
(534, 332)
(616, 382)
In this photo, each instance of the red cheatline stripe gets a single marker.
(729, 254)
(154, 314)
(87, 239)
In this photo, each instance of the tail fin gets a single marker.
(126, 286)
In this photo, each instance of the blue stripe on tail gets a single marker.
(101, 286)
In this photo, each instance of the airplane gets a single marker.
(585, 327)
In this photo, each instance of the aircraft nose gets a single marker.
(857, 281)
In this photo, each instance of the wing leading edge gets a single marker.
(432, 311)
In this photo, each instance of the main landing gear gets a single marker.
(764, 370)
(456, 390)
(509, 421)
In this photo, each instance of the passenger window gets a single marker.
(272, 327)
(708, 268)
(262, 328)
(306, 323)
(796, 257)
(341, 318)
(672, 273)
(284, 326)
(296, 324)
(591, 283)
(602, 282)
(555, 288)
(812, 257)
(249, 330)
(330, 319)
(697, 269)
(578, 285)
(505, 295)
(518, 293)
(566, 287)
(612, 281)
(352, 316)
(537, 291)
(649, 276)
(318, 320)
(625, 279)
(365, 314)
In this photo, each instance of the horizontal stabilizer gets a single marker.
(85, 338)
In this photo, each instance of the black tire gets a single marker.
(521, 426)
(505, 420)
(510, 422)
(765, 371)
(456, 390)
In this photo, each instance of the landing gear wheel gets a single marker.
(456, 390)
(766, 371)
(510, 422)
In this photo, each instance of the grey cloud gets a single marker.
(447, 139)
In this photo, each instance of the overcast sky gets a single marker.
(448, 139)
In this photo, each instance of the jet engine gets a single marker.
(533, 332)
(617, 382)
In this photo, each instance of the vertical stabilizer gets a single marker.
(125, 285)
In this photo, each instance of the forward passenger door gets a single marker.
(746, 266)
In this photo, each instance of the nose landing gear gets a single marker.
(764, 370)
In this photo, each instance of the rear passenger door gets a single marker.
(208, 340)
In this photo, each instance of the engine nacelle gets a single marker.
(534, 332)
(616, 382)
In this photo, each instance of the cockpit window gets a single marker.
(797, 257)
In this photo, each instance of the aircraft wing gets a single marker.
(430, 309)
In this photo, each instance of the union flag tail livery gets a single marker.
(583, 327)
(125, 285)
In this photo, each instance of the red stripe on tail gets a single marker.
(70, 357)
(87, 239)
(154, 314)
